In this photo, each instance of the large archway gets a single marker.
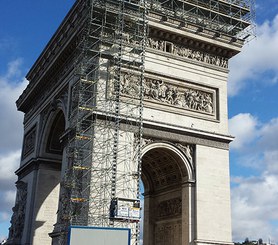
(167, 176)
(48, 178)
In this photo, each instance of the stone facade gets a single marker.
(185, 154)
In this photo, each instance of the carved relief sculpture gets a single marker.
(187, 150)
(180, 50)
(163, 92)
(18, 217)
(172, 207)
(29, 142)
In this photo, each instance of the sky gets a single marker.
(25, 28)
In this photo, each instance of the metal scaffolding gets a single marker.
(101, 184)
(234, 18)
(104, 145)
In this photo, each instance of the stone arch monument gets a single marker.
(168, 177)
(185, 139)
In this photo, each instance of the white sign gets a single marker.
(85, 235)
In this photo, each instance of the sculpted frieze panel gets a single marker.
(18, 217)
(29, 142)
(186, 52)
(169, 208)
(166, 93)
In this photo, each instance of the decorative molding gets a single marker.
(174, 136)
(68, 27)
(18, 217)
(29, 142)
(188, 151)
(164, 92)
(43, 120)
(169, 208)
(60, 101)
(187, 52)
(146, 141)
(187, 98)
(177, 49)
(53, 79)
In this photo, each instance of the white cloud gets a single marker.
(269, 139)
(254, 206)
(244, 127)
(271, 161)
(11, 130)
(11, 86)
(8, 164)
(7, 202)
(254, 199)
(257, 58)
(10, 197)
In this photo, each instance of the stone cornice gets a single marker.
(45, 85)
(190, 42)
(35, 164)
(189, 34)
(67, 27)
(54, 52)
(186, 134)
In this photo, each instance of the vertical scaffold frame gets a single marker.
(104, 142)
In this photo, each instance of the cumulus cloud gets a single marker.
(269, 139)
(254, 199)
(256, 59)
(12, 84)
(8, 164)
(7, 202)
(271, 161)
(244, 127)
(254, 207)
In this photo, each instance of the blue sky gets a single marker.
(25, 28)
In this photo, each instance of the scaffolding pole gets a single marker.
(101, 184)
(234, 18)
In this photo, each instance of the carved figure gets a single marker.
(129, 85)
(169, 207)
(29, 142)
(160, 91)
(122, 35)
(182, 51)
(18, 217)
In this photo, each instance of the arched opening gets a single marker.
(56, 130)
(165, 175)
(48, 179)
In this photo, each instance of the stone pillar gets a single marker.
(46, 205)
(60, 227)
(188, 211)
(148, 234)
